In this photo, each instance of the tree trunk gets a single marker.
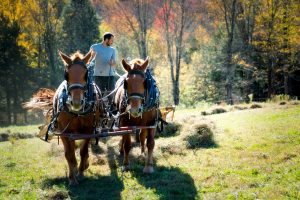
(142, 15)
(271, 78)
(8, 105)
(286, 54)
(230, 24)
(286, 83)
(16, 105)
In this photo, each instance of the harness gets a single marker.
(90, 89)
(150, 97)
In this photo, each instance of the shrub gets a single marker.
(279, 97)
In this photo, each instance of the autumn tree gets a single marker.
(176, 19)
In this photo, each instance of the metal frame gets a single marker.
(105, 132)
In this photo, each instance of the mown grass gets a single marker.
(256, 156)
(31, 129)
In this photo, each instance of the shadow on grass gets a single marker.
(92, 187)
(95, 187)
(167, 182)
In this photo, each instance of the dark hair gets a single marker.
(107, 35)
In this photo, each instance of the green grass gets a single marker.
(256, 157)
(30, 129)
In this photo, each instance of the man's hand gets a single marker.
(112, 63)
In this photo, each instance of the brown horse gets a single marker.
(72, 117)
(130, 100)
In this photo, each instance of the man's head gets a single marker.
(108, 38)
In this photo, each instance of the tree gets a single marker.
(135, 16)
(13, 67)
(176, 19)
(229, 11)
(80, 27)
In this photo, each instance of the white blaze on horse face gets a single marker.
(77, 100)
(135, 85)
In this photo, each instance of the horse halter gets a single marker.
(135, 95)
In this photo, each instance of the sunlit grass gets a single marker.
(20, 129)
(256, 156)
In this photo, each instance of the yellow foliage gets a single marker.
(202, 35)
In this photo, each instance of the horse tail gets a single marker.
(41, 100)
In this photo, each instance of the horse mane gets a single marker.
(77, 56)
(136, 63)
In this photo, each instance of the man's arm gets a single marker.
(93, 51)
(112, 61)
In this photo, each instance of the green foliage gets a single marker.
(80, 27)
(15, 75)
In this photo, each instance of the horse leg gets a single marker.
(84, 155)
(126, 147)
(121, 149)
(143, 136)
(69, 147)
(150, 146)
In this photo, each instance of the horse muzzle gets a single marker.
(136, 112)
(75, 105)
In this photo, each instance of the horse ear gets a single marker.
(88, 57)
(145, 64)
(66, 59)
(125, 65)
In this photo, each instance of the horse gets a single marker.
(130, 99)
(73, 113)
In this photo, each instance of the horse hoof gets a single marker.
(148, 170)
(125, 168)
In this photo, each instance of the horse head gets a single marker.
(135, 85)
(76, 77)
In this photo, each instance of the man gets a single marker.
(105, 63)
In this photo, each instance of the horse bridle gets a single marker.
(76, 85)
(135, 95)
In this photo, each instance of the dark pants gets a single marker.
(106, 85)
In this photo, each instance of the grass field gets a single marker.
(255, 156)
